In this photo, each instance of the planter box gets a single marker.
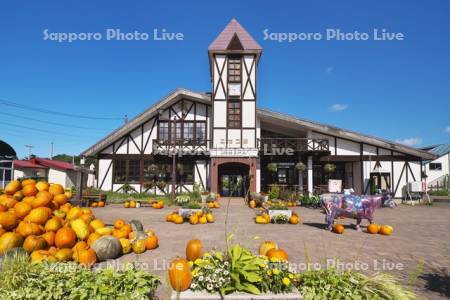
(277, 212)
(186, 212)
(190, 295)
(443, 199)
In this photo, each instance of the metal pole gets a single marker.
(51, 150)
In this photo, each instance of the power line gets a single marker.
(52, 123)
(43, 130)
(47, 111)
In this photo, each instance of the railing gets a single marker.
(192, 146)
(296, 144)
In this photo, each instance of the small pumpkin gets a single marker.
(139, 246)
(39, 215)
(18, 195)
(49, 237)
(27, 228)
(33, 243)
(193, 219)
(53, 224)
(65, 254)
(7, 200)
(177, 219)
(10, 240)
(373, 228)
(119, 223)
(101, 204)
(74, 213)
(386, 230)
(29, 190)
(12, 187)
(120, 234)
(8, 220)
(56, 189)
(85, 257)
(180, 275)
(104, 231)
(338, 228)
(81, 229)
(61, 199)
(210, 217)
(42, 186)
(126, 204)
(132, 204)
(80, 246)
(126, 245)
(41, 199)
(41, 255)
(294, 219)
(107, 247)
(194, 249)
(151, 242)
(277, 255)
(92, 238)
(28, 181)
(22, 209)
(65, 238)
(264, 247)
(95, 224)
(202, 220)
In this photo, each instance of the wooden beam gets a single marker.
(356, 158)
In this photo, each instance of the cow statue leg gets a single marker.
(358, 224)
(330, 219)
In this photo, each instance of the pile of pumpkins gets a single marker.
(132, 204)
(214, 204)
(37, 217)
(98, 204)
(158, 204)
(380, 229)
(272, 251)
(265, 219)
(195, 218)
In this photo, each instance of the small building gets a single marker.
(437, 171)
(223, 142)
(7, 156)
(46, 169)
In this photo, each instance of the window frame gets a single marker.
(234, 124)
(233, 61)
(437, 166)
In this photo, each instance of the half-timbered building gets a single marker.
(223, 142)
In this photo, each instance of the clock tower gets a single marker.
(233, 58)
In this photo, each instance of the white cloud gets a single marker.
(338, 107)
(410, 141)
(329, 69)
(447, 129)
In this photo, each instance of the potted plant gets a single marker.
(272, 167)
(329, 168)
(189, 208)
(278, 208)
(205, 197)
(300, 167)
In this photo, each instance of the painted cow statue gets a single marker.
(353, 206)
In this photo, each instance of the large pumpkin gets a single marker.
(39, 215)
(264, 247)
(42, 186)
(180, 275)
(27, 228)
(277, 255)
(126, 245)
(10, 240)
(33, 243)
(86, 257)
(65, 238)
(81, 229)
(64, 254)
(107, 247)
(8, 220)
(12, 187)
(151, 242)
(49, 237)
(193, 249)
(22, 209)
(56, 189)
(29, 190)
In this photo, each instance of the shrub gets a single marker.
(439, 193)
(274, 192)
(182, 199)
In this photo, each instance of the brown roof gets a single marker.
(222, 42)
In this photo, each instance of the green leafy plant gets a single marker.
(182, 199)
(274, 192)
(279, 205)
(191, 205)
(210, 273)
(279, 219)
(278, 279)
(272, 167)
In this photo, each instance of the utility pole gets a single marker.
(29, 150)
(51, 150)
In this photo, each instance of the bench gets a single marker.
(87, 199)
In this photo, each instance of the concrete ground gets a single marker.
(418, 252)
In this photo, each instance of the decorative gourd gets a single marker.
(373, 228)
(96, 224)
(180, 275)
(85, 257)
(33, 243)
(74, 213)
(39, 215)
(81, 229)
(386, 230)
(42, 255)
(126, 245)
(264, 247)
(56, 189)
(338, 228)
(26, 228)
(8, 220)
(49, 237)
(10, 240)
(194, 249)
(53, 224)
(65, 238)
(12, 187)
(107, 247)
(22, 209)
(64, 254)
(139, 246)
(277, 255)
(104, 231)
(29, 190)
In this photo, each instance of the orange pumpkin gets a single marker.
(28, 200)
(338, 228)
(264, 247)
(7, 200)
(101, 204)
(127, 228)
(8, 220)
(26, 228)
(28, 181)
(294, 219)
(22, 209)
(177, 219)
(42, 186)
(81, 245)
(56, 189)
(65, 254)
(10, 240)
(119, 223)
(120, 234)
(12, 187)
(53, 224)
(193, 249)
(61, 199)
(87, 218)
(373, 228)
(193, 219)
(94, 204)
(65, 238)
(180, 275)
(92, 238)
(33, 243)
(29, 190)
(85, 257)
(39, 215)
(151, 242)
(41, 199)
(42, 255)
(49, 237)
(277, 255)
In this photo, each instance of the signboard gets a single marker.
(233, 152)
(334, 186)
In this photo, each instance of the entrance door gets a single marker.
(233, 180)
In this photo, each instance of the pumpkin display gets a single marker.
(29, 190)
(180, 275)
(39, 215)
(42, 186)
(126, 245)
(139, 246)
(8, 220)
(27, 228)
(10, 240)
(264, 247)
(49, 237)
(64, 254)
(33, 243)
(194, 249)
(65, 238)
(56, 189)
(338, 228)
(42, 255)
(22, 209)
(277, 255)
(12, 187)
(107, 247)
(81, 229)
(294, 219)
(193, 219)
(373, 228)
(386, 230)
(119, 223)
(85, 257)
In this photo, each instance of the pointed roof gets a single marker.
(233, 35)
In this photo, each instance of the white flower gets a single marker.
(226, 272)
(194, 285)
(209, 286)
(200, 278)
(225, 263)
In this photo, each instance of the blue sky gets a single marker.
(398, 90)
